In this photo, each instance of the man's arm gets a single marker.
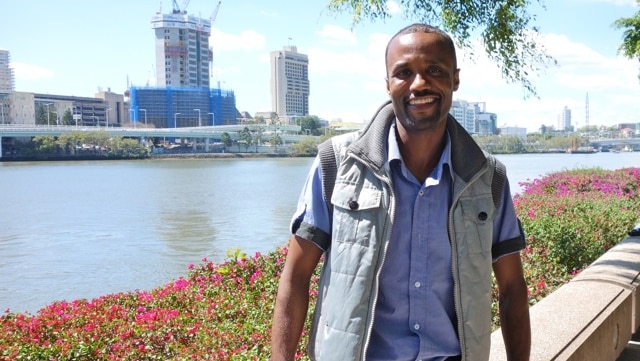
(292, 300)
(514, 307)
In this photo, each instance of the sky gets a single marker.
(77, 47)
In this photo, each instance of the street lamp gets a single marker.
(199, 121)
(175, 120)
(57, 123)
(97, 121)
(145, 115)
(213, 118)
(106, 123)
(48, 122)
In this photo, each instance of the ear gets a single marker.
(456, 79)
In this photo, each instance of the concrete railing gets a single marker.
(591, 318)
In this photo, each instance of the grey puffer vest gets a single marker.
(363, 211)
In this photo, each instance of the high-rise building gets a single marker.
(182, 50)
(473, 117)
(289, 82)
(564, 119)
(6, 73)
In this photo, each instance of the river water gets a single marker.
(73, 230)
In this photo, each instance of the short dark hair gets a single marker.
(429, 29)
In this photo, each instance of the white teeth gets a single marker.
(418, 101)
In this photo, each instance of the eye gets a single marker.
(435, 71)
(402, 74)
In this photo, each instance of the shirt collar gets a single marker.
(436, 174)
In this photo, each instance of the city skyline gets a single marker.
(84, 47)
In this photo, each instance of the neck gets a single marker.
(421, 151)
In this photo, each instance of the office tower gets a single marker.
(6, 73)
(289, 82)
(182, 49)
(564, 119)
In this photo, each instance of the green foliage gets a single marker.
(306, 147)
(84, 143)
(245, 138)
(67, 118)
(508, 38)
(310, 122)
(570, 218)
(225, 138)
(630, 46)
(41, 115)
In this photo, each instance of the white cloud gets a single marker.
(337, 35)
(31, 72)
(247, 40)
(393, 7)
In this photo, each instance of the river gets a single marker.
(73, 230)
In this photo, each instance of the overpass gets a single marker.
(288, 133)
(615, 142)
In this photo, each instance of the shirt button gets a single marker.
(416, 326)
(417, 284)
(421, 193)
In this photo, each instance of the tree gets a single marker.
(507, 36)
(41, 116)
(67, 118)
(306, 147)
(310, 122)
(244, 138)
(630, 46)
(226, 140)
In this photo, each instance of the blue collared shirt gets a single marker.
(415, 316)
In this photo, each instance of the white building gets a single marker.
(473, 117)
(516, 131)
(183, 55)
(6, 73)
(289, 83)
(564, 120)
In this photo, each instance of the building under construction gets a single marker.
(182, 96)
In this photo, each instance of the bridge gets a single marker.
(607, 143)
(288, 133)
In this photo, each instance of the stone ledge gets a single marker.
(591, 318)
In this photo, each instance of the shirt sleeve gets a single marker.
(311, 219)
(508, 236)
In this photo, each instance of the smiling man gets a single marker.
(418, 219)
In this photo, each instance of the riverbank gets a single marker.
(151, 156)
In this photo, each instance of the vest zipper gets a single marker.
(387, 236)
(454, 266)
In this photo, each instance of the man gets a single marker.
(412, 232)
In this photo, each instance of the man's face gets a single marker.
(421, 79)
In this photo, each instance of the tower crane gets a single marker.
(212, 20)
(215, 13)
(177, 9)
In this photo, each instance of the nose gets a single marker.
(419, 82)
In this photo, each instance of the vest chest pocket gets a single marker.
(356, 211)
(478, 214)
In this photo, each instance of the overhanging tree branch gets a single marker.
(508, 38)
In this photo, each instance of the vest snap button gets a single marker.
(353, 205)
(482, 216)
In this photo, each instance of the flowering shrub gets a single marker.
(223, 312)
(218, 312)
(571, 218)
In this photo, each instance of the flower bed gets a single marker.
(223, 312)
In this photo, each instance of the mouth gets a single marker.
(423, 100)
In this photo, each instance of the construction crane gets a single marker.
(177, 9)
(215, 13)
(212, 20)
